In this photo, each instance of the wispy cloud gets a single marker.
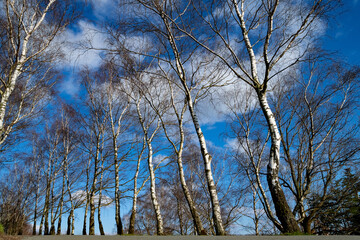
(81, 44)
(70, 86)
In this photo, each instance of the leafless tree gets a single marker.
(314, 110)
(116, 109)
(16, 200)
(94, 142)
(149, 133)
(28, 55)
(175, 57)
(136, 189)
(274, 36)
(319, 137)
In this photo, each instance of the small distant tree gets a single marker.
(15, 201)
(340, 212)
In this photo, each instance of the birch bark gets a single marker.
(148, 139)
(179, 148)
(87, 196)
(215, 204)
(61, 203)
(116, 127)
(19, 43)
(93, 190)
(136, 190)
(283, 211)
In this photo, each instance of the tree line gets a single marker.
(136, 131)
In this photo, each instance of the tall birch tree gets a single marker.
(258, 41)
(28, 33)
(173, 52)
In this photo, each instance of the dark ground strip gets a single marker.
(191, 237)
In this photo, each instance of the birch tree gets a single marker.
(16, 199)
(249, 141)
(117, 110)
(28, 56)
(70, 156)
(51, 171)
(174, 52)
(165, 102)
(319, 137)
(179, 111)
(149, 135)
(96, 132)
(258, 41)
(313, 111)
(136, 189)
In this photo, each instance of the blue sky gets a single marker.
(343, 35)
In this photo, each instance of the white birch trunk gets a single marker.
(155, 203)
(119, 228)
(136, 192)
(179, 152)
(21, 52)
(196, 217)
(283, 211)
(219, 228)
(87, 196)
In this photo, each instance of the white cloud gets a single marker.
(83, 45)
(233, 144)
(104, 8)
(80, 196)
(160, 159)
(70, 86)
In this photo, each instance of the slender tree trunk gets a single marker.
(256, 217)
(216, 212)
(70, 220)
(86, 212)
(46, 211)
(306, 224)
(283, 211)
(61, 206)
(35, 209)
(180, 216)
(92, 195)
(68, 230)
(47, 199)
(205, 154)
(52, 208)
(133, 216)
(70, 223)
(194, 213)
(92, 214)
(41, 224)
(119, 226)
(58, 231)
(156, 205)
(179, 152)
(101, 228)
(134, 203)
(115, 134)
(87, 196)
